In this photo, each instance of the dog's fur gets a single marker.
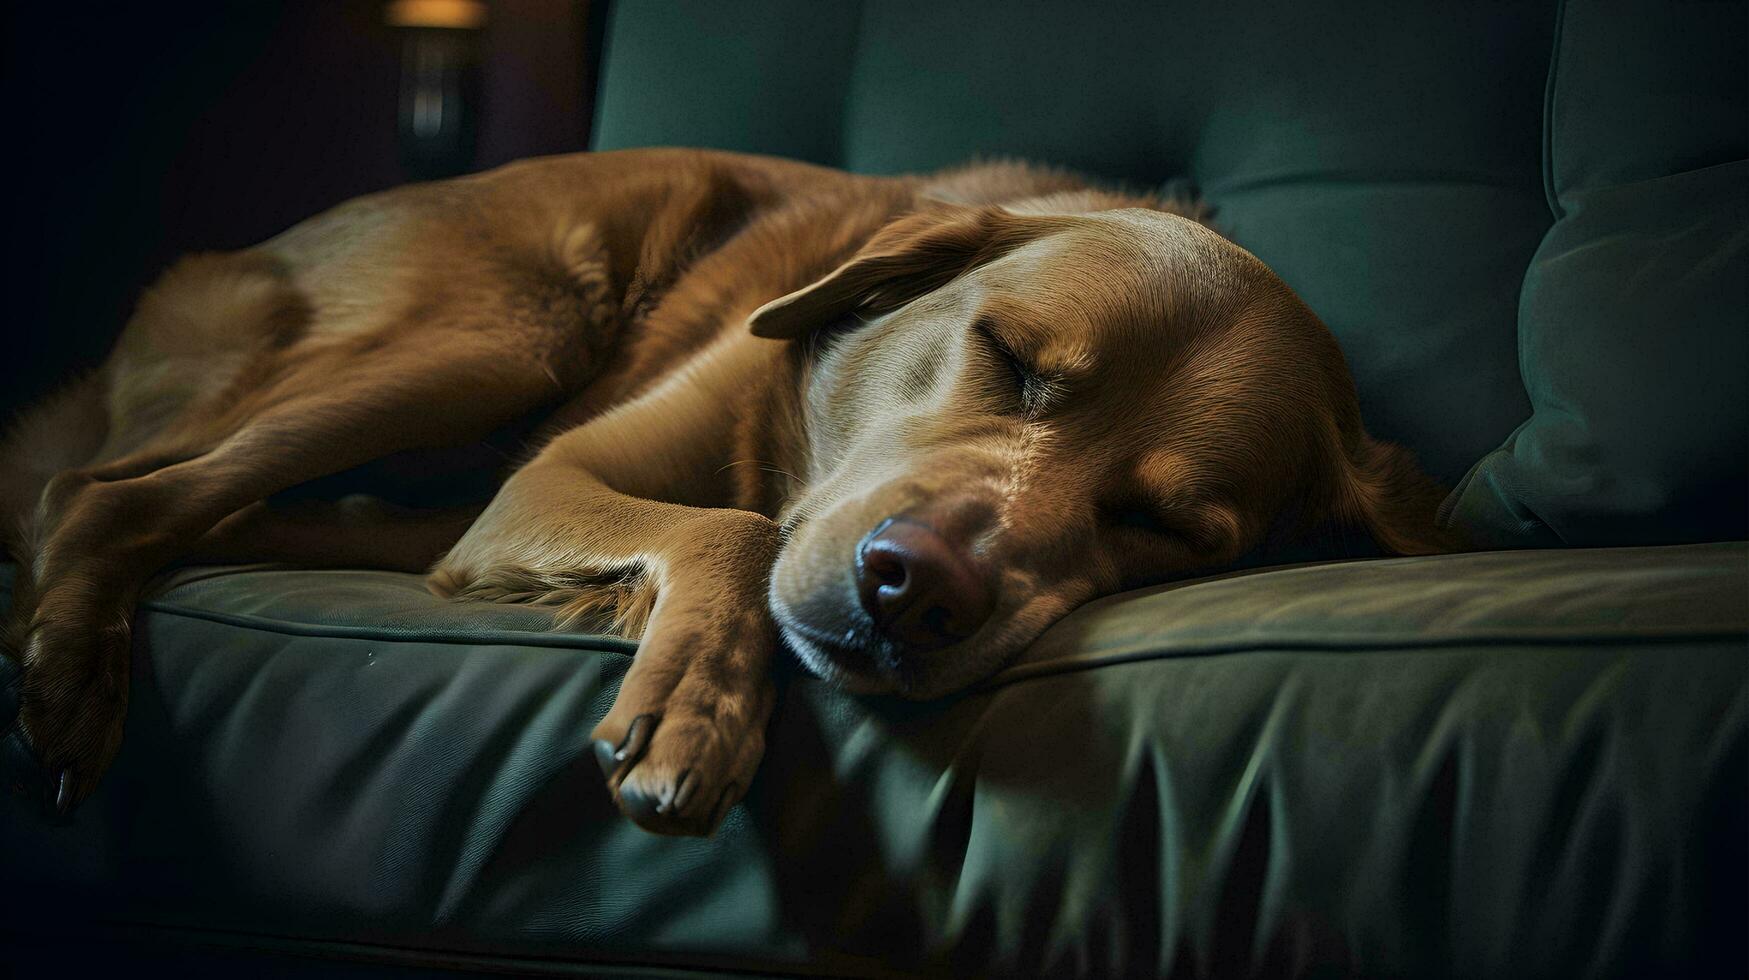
(733, 368)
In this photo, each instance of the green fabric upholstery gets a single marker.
(1510, 764)
(1518, 763)
(1383, 159)
(1634, 323)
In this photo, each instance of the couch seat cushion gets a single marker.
(1502, 764)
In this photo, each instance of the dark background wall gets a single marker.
(151, 130)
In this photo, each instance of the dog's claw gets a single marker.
(669, 794)
(604, 757)
(64, 783)
(640, 807)
(688, 783)
(613, 759)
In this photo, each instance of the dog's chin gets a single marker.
(849, 665)
(830, 666)
(861, 670)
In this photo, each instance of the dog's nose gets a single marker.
(920, 590)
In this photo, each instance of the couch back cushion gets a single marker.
(1383, 158)
(1634, 328)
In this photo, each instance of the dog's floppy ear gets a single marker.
(911, 256)
(1386, 494)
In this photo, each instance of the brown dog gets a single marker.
(903, 424)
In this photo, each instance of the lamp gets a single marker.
(440, 83)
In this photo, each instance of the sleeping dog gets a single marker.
(900, 425)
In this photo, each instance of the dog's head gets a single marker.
(1011, 412)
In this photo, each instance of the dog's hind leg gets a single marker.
(353, 532)
(182, 352)
(63, 432)
(457, 349)
(321, 411)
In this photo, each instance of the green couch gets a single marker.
(1528, 224)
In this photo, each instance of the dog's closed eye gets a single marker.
(1031, 388)
(1137, 517)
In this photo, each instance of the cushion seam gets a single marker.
(571, 641)
(590, 642)
(1028, 672)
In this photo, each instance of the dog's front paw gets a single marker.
(677, 773)
(73, 700)
(687, 732)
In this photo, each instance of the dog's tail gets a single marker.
(63, 431)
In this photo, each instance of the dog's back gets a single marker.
(615, 267)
